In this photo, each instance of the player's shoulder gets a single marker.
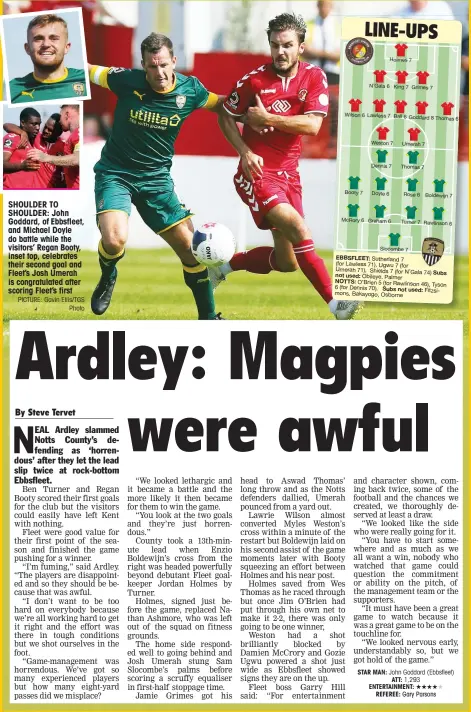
(255, 77)
(312, 73)
(74, 137)
(76, 74)
(25, 82)
(186, 83)
(135, 78)
(21, 81)
(10, 141)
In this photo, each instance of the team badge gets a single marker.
(79, 88)
(302, 94)
(432, 250)
(181, 101)
(359, 51)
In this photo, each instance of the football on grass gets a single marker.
(213, 244)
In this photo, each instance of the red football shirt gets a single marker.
(379, 105)
(355, 104)
(72, 173)
(447, 106)
(423, 77)
(382, 132)
(48, 176)
(21, 180)
(421, 107)
(401, 49)
(400, 106)
(380, 74)
(401, 77)
(413, 134)
(306, 93)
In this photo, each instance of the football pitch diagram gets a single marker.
(397, 165)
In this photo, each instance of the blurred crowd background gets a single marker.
(220, 41)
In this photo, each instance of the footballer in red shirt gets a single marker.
(70, 121)
(18, 168)
(48, 141)
(278, 104)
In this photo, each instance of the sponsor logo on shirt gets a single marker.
(181, 101)
(269, 91)
(153, 119)
(79, 88)
(281, 106)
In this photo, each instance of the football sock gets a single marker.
(260, 260)
(107, 261)
(313, 267)
(197, 279)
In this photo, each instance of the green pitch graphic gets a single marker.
(402, 140)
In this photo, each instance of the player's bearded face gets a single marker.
(285, 50)
(159, 68)
(48, 45)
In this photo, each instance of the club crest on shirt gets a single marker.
(79, 88)
(302, 94)
(181, 101)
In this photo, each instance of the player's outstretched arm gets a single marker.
(252, 165)
(303, 124)
(14, 129)
(214, 103)
(71, 159)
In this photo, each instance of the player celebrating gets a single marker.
(70, 121)
(135, 165)
(18, 168)
(47, 44)
(48, 141)
(279, 103)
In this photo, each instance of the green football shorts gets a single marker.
(155, 199)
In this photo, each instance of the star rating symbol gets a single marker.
(426, 687)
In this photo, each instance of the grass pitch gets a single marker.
(150, 286)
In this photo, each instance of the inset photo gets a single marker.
(44, 57)
(41, 147)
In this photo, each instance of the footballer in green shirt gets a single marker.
(134, 167)
(47, 45)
